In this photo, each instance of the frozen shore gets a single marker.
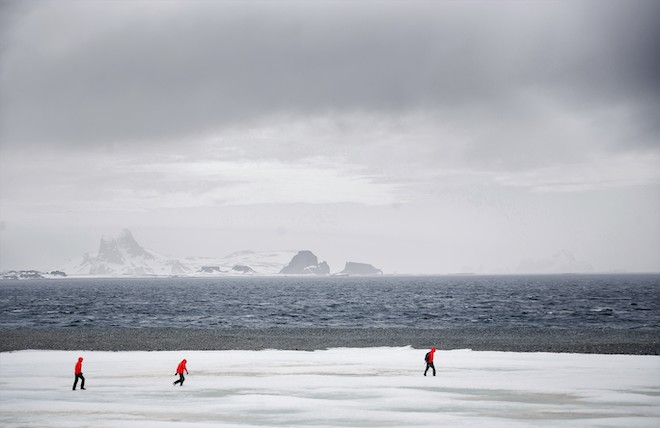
(594, 341)
(336, 387)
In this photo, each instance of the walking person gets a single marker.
(78, 372)
(179, 371)
(429, 361)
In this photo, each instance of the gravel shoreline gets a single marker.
(588, 341)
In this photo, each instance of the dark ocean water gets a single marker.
(552, 301)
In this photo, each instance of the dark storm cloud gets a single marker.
(127, 72)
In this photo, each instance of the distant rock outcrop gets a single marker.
(306, 263)
(22, 274)
(320, 269)
(243, 269)
(58, 273)
(353, 268)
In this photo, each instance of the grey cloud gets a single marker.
(127, 72)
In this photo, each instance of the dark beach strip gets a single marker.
(590, 341)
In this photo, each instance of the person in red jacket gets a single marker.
(429, 361)
(179, 371)
(77, 371)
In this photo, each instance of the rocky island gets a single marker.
(306, 263)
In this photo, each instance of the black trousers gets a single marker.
(429, 366)
(181, 379)
(75, 382)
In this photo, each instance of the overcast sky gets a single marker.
(419, 136)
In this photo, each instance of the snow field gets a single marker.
(342, 387)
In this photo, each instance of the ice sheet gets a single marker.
(371, 387)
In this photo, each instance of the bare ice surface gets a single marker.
(340, 387)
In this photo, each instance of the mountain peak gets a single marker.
(120, 248)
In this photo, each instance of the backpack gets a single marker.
(426, 357)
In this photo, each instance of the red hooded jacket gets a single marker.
(181, 367)
(431, 353)
(78, 368)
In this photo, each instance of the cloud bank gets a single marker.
(149, 105)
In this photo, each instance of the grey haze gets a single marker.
(422, 136)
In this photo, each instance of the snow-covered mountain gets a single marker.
(121, 255)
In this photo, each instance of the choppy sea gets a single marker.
(626, 301)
